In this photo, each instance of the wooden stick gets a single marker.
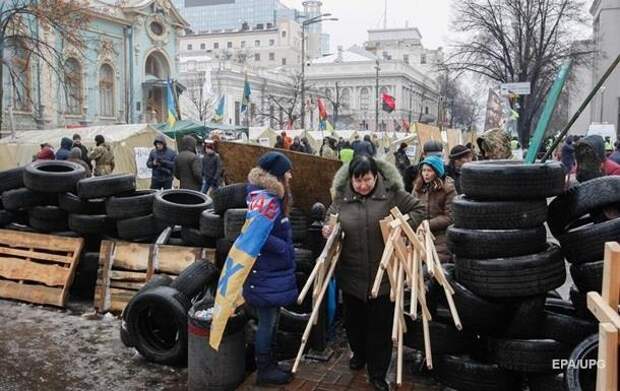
(415, 267)
(406, 228)
(313, 315)
(397, 307)
(309, 282)
(399, 362)
(385, 258)
(425, 319)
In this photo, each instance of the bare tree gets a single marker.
(36, 32)
(517, 40)
(203, 102)
(286, 102)
(463, 107)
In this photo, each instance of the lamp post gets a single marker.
(304, 24)
(377, 68)
(603, 88)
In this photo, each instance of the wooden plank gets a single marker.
(21, 269)
(607, 374)
(37, 294)
(611, 275)
(174, 259)
(35, 255)
(601, 310)
(121, 275)
(119, 299)
(134, 286)
(131, 256)
(12, 238)
(101, 290)
(72, 268)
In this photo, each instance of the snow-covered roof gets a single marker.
(353, 54)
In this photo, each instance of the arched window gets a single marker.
(73, 86)
(364, 99)
(21, 82)
(106, 91)
(345, 98)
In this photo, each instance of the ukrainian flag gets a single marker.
(259, 221)
(172, 112)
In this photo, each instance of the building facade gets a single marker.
(265, 47)
(119, 78)
(606, 30)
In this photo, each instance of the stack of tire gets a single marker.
(154, 321)
(505, 274)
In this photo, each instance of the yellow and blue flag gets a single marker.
(172, 112)
(247, 91)
(219, 110)
(262, 211)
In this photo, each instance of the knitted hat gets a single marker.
(436, 163)
(275, 163)
(75, 153)
(459, 151)
(433, 147)
(45, 154)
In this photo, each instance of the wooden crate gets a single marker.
(37, 268)
(124, 267)
(605, 308)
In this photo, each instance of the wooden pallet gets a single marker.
(37, 268)
(605, 309)
(124, 267)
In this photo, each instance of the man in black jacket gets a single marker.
(212, 168)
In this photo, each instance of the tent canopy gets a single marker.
(183, 128)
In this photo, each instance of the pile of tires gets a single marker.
(505, 274)
(154, 322)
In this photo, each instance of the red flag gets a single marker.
(322, 110)
(389, 104)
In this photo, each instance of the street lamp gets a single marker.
(304, 24)
(603, 88)
(377, 68)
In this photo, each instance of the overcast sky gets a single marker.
(431, 17)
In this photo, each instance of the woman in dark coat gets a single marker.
(271, 283)
(363, 193)
(437, 191)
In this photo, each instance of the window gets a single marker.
(272, 42)
(237, 113)
(272, 56)
(426, 110)
(157, 28)
(216, 45)
(189, 47)
(423, 59)
(284, 34)
(364, 99)
(283, 60)
(345, 98)
(106, 91)
(257, 43)
(21, 67)
(73, 86)
(406, 58)
(242, 44)
(203, 46)
(229, 45)
(257, 57)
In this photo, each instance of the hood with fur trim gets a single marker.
(262, 178)
(392, 179)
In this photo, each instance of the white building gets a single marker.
(265, 47)
(606, 106)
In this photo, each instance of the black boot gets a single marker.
(380, 384)
(268, 371)
(356, 362)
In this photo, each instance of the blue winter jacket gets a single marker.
(165, 170)
(272, 279)
(65, 148)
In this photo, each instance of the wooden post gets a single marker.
(607, 374)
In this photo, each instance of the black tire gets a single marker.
(106, 186)
(588, 276)
(193, 237)
(24, 198)
(287, 345)
(49, 212)
(299, 225)
(138, 203)
(292, 321)
(466, 374)
(45, 225)
(180, 207)
(522, 276)
(445, 338)
(304, 260)
(587, 244)
(577, 378)
(137, 228)
(580, 302)
(582, 199)
(560, 306)
(567, 329)
(229, 197)
(157, 324)
(71, 203)
(6, 217)
(483, 244)
(554, 382)
(526, 318)
(528, 355)
(512, 180)
(53, 176)
(195, 277)
(91, 224)
(11, 179)
(211, 224)
(233, 222)
(477, 314)
(498, 214)
(222, 248)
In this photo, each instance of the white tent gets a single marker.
(130, 145)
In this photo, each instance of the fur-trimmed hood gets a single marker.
(392, 180)
(262, 178)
